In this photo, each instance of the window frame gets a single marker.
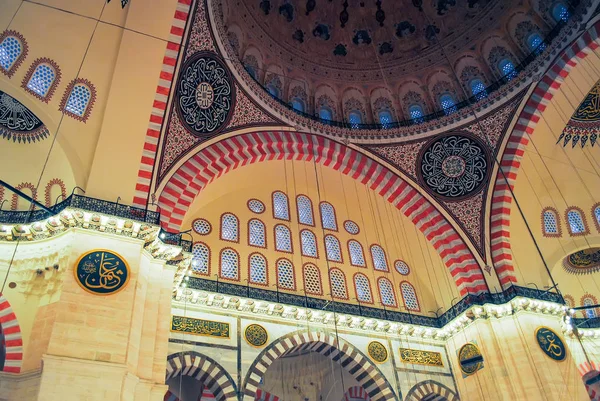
(287, 200)
(335, 220)
(221, 265)
(355, 113)
(350, 253)
(416, 296)
(266, 269)
(339, 247)
(237, 240)
(302, 244)
(31, 71)
(264, 233)
(405, 264)
(21, 57)
(558, 223)
(478, 95)
(275, 238)
(312, 210)
(586, 227)
(379, 280)
(299, 101)
(448, 110)
(389, 113)
(553, 12)
(208, 262)
(594, 301)
(369, 287)
(201, 219)
(345, 282)
(594, 218)
(258, 200)
(293, 275)
(304, 268)
(511, 75)
(387, 265)
(328, 110)
(421, 109)
(90, 104)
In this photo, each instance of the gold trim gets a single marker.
(404, 360)
(387, 353)
(559, 337)
(200, 334)
(246, 337)
(102, 250)
(478, 363)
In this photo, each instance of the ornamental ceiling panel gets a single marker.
(19, 123)
(206, 100)
(454, 167)
(584, 125)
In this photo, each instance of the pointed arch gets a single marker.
(193, 175)
(14, 204)
(48, 190)
(204, 369)
(366, 373)
(354, 393)
(429, 387)
(9, 325)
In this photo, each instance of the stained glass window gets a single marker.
(256, 233)
(550, 222)
(333, 249)
(379, 259)
(200, 259)
(478, 89)
(386, 292)
(283, 238)
(560, 12)
(274, 91)
(355, 119)
(337, 281)
(281, 208)
(285, 274)
(385, 118)
(416, 113)
(448, 104)
(401, 267)
(507, 68)
(309, 243)
(536, 43)
(256, 206)
(10, 50)
(79, 100)
(328, 216)
(229, 227)
(258, 269)
(575, 221)
(325, 114)
(597, 214)
(590, 313)
(351, 227)
(42, 79)
(305, 212)
(201, 226)
(357, 256)
(363, 288)
(298, 104)
(312, 280)
(410, 296)
(229, 264)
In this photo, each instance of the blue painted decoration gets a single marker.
(102, 272)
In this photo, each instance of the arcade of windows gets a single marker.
(258, 265)
(575, 221)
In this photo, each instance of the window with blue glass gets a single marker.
(328, 219)
(448, 104)
(478, 89)
(535, 43)
(385, 118)
(42, 79)
(325, 113)
(79, 100)
(281, 208)
(10, 50)
(298, 104)
(305, 211)
(273, 90)
(355, 119)
(258, 269)
(251, 71)
(416, 113)
(507, 68)
(560, 12)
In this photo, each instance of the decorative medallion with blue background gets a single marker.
(470, 359)
(584, 261)
(377, 351)
(454, 166)
(19, 123)
(256, 335)
(205, 94)
(584, 125)
(551, 343)
(102, 272)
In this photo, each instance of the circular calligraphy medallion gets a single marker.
(584, 261)
(102, 272)
(377, 351)
(205, 94)
(256, 335)
(550, 343)
(470, 359)
(454, 166)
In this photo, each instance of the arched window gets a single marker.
(560, 12)
(591, 312)
(325, 114)
(550, 223)
(312, 280)
(596, 213)
(409, 296)
(258, 272)
(337, 281)
(230, 228)
(333, 249)
(13, 50)
(256, 233)
(357, 256)
(401, 267)
(448, 104)
(285, 275)
(200, 259)
(274, 91)
(385, 118)
(507, 69)
(283, 238)
(569, 300)
(379, 259)
(281, 207)
(478, 89)
(251, 71)
(309, 244)
(386, 292)
(363, 288)
(298, 104)
(355, 119)
(230, 262)
(78, 99)
(416, 113)
(42, 78)
(535, 43)
(328, 219)
(576, 222)
(305, 211)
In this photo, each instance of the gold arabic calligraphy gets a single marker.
(429, 358)
(200, 327)
(551, 344)
(109, 273)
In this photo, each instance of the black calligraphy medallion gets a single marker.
(205, 94)
(551, 343)
(470, 359)
(102, 272)
(19, 123)
(454, 166)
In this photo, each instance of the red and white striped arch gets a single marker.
(228, 154)
(356, 393)
(517, 142)
(13, 340)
